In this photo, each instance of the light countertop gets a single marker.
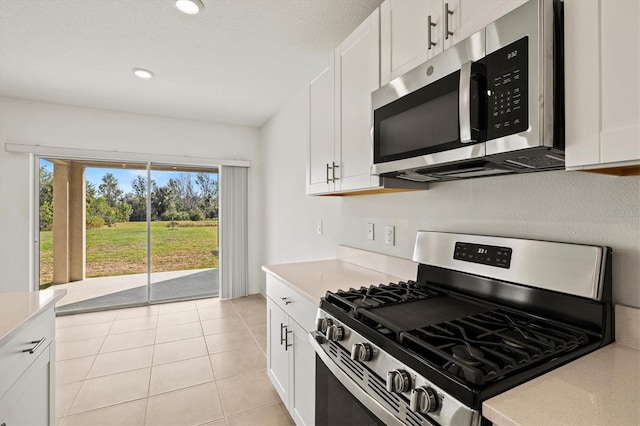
(16, 308)
(314, 278)
(601, 388)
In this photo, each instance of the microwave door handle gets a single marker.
(464, 103)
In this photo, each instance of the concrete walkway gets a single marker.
(101, 292)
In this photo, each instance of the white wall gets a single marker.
(290, 216)
(23, 121)
(563, 206)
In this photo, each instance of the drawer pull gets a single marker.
(37, 344)
(285, 300)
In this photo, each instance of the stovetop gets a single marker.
(484, 314)
(474, 341)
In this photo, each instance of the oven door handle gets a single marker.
(355, 390)
(464, 103)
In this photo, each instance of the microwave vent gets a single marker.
(416, 177)
(538, 162)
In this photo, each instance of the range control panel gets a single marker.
(507, 80)
(484, 254)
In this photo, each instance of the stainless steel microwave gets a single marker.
(492, 104)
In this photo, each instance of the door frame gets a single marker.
(133, 158)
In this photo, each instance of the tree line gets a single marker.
(182, 198)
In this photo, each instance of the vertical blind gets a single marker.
(233, 232)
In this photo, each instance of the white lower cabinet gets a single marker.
(27, 382)
(290, 356)
(277, 354)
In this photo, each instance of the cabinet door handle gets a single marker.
(37, 343)
(285, 300)
(447, 12)
(328, 173)
(282, 335)
(287, 345)
(333, 172)
(429, 25)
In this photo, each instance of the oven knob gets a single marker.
(322, 324)
(398, 381)
(423, 400)
(335, 333)
(361, 352)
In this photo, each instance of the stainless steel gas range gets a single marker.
(484, 315)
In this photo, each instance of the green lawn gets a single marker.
(121, 249)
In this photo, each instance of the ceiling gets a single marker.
(236, 62)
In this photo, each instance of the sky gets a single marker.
(124, 176)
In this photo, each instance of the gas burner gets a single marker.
(467, 354)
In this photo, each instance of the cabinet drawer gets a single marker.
(14, 359)
(29, 401)
(295, 305)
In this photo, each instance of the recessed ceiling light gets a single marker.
(190, 7)
(143, 73)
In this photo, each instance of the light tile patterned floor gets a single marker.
(198, 362)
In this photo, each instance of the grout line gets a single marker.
(106, 406)
(155, 336)
(155, 328)
(258, 408)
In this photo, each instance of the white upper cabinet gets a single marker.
(340, 144)
(413, 31)
(471, 16)
(357, 71)
(602, 84)
(322, 130)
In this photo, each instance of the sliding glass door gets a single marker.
(184, 232)
(126, 233)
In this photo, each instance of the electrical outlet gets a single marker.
(319, 227)
(370, 235)
(390, 235)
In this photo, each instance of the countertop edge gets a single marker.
(294, 287)
(51, 300)
(278, 271)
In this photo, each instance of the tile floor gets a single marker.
(198, 362)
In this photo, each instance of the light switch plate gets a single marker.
(319, 227)
(390, 235)
(370, 234)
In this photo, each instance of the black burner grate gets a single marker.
(482, 348)
(352, 300)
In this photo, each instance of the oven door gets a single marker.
(341, 401)
(435, 113)
(335, 404)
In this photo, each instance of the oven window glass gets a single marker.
(335, 405)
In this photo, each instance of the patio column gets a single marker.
(69, 196)
(77, 215)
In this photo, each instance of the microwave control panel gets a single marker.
(507, 81)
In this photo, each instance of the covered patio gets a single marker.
(104, 292)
